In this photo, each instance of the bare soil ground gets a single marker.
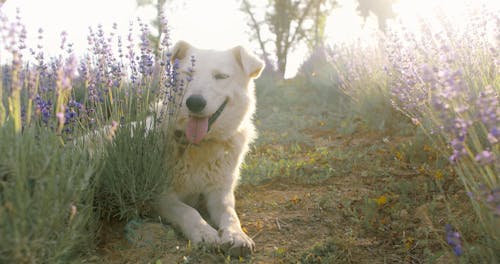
(354, 217)
(286, 220)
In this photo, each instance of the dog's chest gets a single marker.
(199, 168)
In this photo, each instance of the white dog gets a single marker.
(216, 123)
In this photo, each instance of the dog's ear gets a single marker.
(180, 50)
(251, 65)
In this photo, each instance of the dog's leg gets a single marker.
(220, 205)
(185, 217)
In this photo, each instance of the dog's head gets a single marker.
(220, 95)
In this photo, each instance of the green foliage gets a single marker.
(361, 76)
(137, 166)
(327, 252)
(46, 198)
(68, 157)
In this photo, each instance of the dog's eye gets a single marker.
(220, 76)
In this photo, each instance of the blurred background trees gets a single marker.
(285, 24)
(382, 9)
(280, 26)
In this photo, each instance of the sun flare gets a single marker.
(411, 13)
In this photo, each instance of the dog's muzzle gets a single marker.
(198, 127)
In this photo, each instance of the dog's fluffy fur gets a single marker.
(209, 156)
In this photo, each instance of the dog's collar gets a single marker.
(217, 113)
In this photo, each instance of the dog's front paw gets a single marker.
(236, 243)
(204, 234)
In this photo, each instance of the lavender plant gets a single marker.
(137, 160)
(65, 126)
(447, 80)
(359, 74)
(46, 196)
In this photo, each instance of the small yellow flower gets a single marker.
(399, 156)
(438, 175)
(409, 241)
(295, 199)
(427, 148)
(259, 225)
(381, 200)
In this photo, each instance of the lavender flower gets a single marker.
(43, 108)
(131, 56)
(494, 135)
(64, 36)
(489, 197)
(459, 150)
(72, 111)
(68, 72)
(453, 239)
(485, 157)
(146, 59)
(165, 42)
(493, 200)
(489, 113)
(68, 94)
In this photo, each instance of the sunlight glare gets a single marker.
(411, 13)
(344, 25)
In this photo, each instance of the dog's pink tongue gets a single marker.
(196, 129)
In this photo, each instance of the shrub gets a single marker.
(136, 171)
(450, 87)
(69, 157)
(445, 80)
(46, 212)
(361, 75)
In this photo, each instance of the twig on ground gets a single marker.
(257, 234)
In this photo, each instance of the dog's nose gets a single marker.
(195, 103)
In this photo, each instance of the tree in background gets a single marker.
(382, 9)
(321, 10)
(285, 24)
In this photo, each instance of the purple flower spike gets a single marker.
(453, 239)
(494, 135)
(485, 157)
(490, 197)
